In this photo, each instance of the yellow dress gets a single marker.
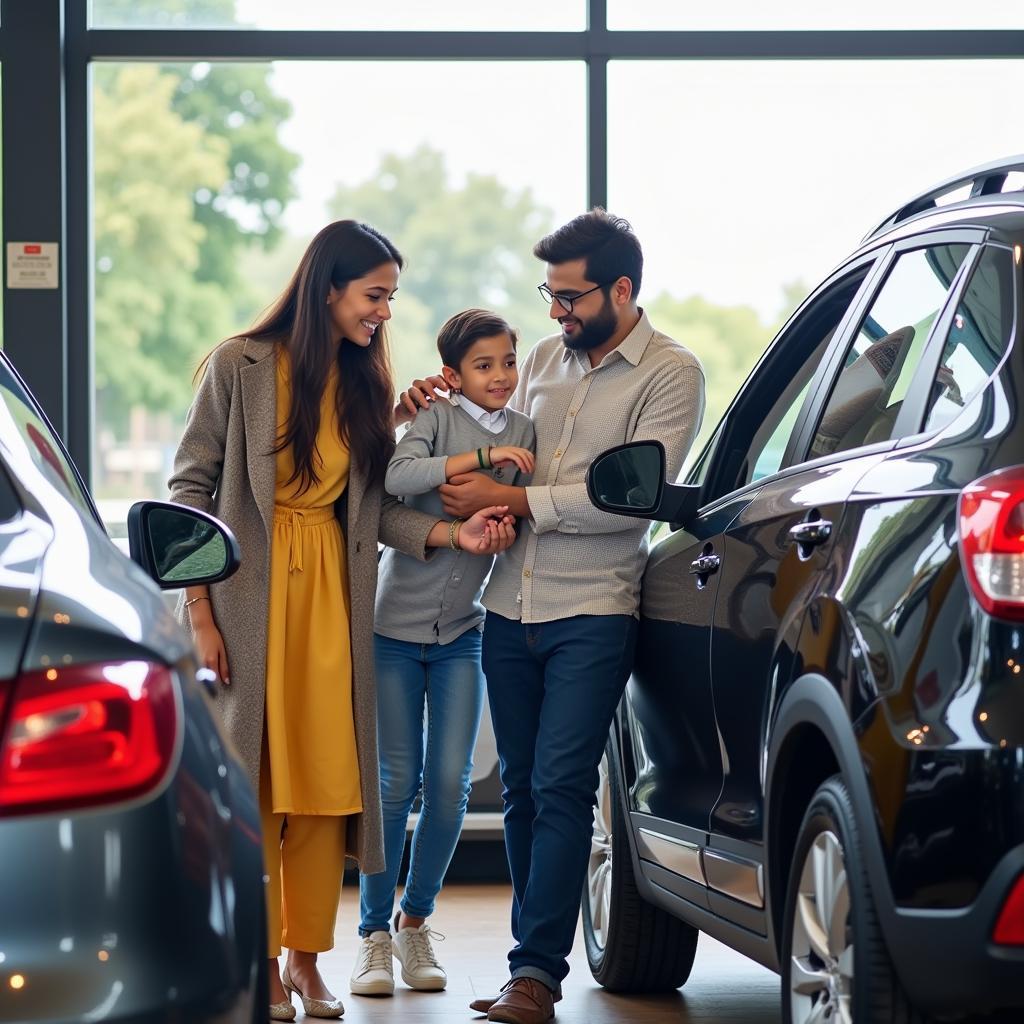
(311, 739)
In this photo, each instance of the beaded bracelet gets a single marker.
(453, 533)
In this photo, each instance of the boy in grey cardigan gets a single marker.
(427, 647)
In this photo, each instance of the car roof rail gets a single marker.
(988, 179)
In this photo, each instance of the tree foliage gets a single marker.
(728, 340)
(465, 244)
(189, 174)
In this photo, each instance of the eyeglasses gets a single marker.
(565, 301)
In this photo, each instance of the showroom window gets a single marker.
(749, 181)
(210, 179)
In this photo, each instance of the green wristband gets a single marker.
(480, 457)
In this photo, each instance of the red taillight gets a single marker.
(992, 541)
(86, 735)
(1009, 929)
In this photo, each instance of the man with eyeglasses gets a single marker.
(562, 601)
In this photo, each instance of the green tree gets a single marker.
(728, 340)
(152, 317)
(189, 177)
(233, 102)
(465, 244)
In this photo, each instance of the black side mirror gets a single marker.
(629, 480)
(180, 546)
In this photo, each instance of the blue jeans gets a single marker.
(447, 678)
(553, 689)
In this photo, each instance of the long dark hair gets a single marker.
(299, 322)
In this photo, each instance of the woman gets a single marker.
(287, 441)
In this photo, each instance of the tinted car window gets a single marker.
(885, 352)
(977, 338)
(37, 440)
(811, 335)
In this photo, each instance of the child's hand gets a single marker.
(522, 457)
(488, 531)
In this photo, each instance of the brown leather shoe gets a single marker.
(523, 1001)
(483, 1005)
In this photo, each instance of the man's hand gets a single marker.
(418, 396)
(467, 493)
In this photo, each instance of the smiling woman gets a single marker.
(288, 439)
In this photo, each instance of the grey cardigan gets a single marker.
(225, 465)
(437, 602)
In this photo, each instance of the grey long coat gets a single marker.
(225, 465)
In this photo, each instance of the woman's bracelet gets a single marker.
(453, 533)
(192, 600)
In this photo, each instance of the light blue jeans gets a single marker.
(448, 680)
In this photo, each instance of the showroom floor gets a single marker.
(725, 987)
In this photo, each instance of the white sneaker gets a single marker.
(373, 974)
(420, 969)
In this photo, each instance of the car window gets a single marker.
(34, 436)
(772, 433)
(752, 440)
(880, 362)
(977, 339)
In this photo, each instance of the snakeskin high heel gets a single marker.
(329, 1008)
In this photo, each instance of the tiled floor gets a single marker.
(724, 987)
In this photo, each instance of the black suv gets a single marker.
(819, 758)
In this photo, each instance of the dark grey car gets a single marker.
(131, 869)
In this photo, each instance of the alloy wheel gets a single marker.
(599, 868)
(821, 973)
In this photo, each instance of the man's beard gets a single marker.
(595, 332)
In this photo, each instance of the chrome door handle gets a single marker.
(811, 534)
(705, 565)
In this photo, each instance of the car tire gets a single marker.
(849, 977)
(631, 945)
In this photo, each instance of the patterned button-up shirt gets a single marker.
(571, 558)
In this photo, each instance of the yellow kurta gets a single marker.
(310, 729)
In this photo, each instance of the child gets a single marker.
(427, 647)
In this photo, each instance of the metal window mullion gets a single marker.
(268, 44)
(597, 131)
(78, 224)
(33, 201)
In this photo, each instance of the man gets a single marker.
(562, 601)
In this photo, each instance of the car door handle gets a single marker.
(705, 565)
(811, 534)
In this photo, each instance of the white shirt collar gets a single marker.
(492, 421)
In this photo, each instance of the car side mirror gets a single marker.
(180, 546)
(629, 480)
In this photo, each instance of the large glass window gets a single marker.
(748, 181)
(209, 181)
(326, 15)
(867, 396)
(812, 14)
